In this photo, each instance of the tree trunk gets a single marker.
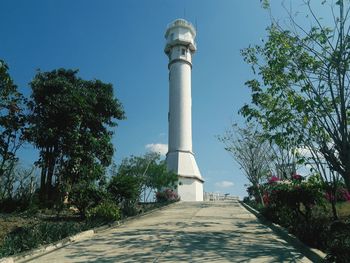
(347, 180)
(334, 209)
(50, 171)
(43, 182)
(260, 196)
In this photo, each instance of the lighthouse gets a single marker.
(180, 47)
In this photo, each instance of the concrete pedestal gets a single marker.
(190, 186)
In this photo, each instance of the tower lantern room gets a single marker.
(180, 32)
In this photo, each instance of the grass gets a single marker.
(11, 222)
(343, 209)
(24, 231)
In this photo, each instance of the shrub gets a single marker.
(338, 242)
(125, 190)
(255, 192)
(26, 238)
(10, 205)
(85, 195)
(274, 179)
(107, 211)
(297, 196)
(168, 195)
(342, 194)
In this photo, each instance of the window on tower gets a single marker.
(183, 51)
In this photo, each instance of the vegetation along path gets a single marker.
(184, 232)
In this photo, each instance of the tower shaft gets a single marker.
(180, 119)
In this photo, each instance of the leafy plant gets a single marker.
(338, 249)
(301, 86)
(168, 195)
(85, 195)
(26, 238)
(106, 211)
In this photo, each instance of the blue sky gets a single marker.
(121, 42)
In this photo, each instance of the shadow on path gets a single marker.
(204, 232)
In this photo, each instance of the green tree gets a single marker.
(142, 176)
(301, 90)
(70, 124)
(12, 124)
(125, 189)
(252, 152)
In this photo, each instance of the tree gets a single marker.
(301, 90)
(70, 123)
(151, 173)
(251, 151)
(12, 124)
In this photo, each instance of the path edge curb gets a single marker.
(313, 254)
(46, 249)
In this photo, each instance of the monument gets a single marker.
(180, 47)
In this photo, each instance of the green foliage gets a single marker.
(298, 198)
(265, 4)
(149, 172)
(69, 123)
(12, 123)
(26, 238)
(137, 178)
(107, 211)
(85, 195)
(17, 190)
(125, 190)
(300, 206)
(168, 195)
(339, 243)
(300, 90)
(158, 177)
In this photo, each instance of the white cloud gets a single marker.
(224, 184)
(160, 148)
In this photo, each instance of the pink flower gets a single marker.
(273, 179)
(297, 177)
(346, 194)
(330, 197)
(266, 198)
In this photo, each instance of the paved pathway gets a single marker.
(184, 232)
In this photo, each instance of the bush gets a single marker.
(341, 195)
(125, 190)
(10, 205)
(294, 197)
(168, 195)
(85, 195)
(26, 238)
(107, 211)
(338, 245)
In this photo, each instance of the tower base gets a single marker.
(190, 187)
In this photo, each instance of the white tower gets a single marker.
(180, 47)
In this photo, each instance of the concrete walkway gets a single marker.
(184, 232)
